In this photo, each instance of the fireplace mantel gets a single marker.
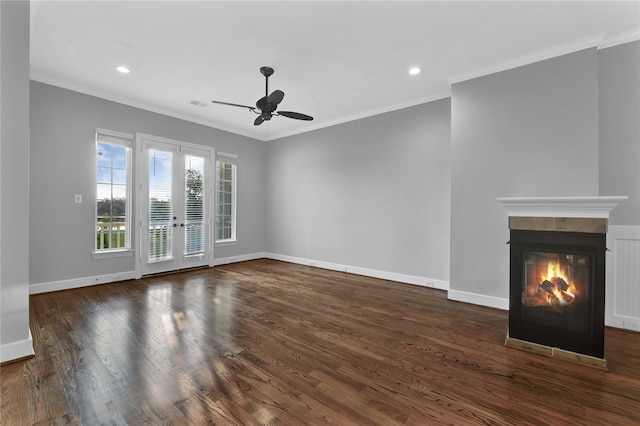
(557, 274)
(561, 207)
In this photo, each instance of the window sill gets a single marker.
(226, 243)
(112, 254)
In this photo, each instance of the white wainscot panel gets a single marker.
(623, 278)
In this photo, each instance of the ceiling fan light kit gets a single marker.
(266, 106)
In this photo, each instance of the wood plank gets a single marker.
(268, 342)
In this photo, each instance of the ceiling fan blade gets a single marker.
(259, 121)
(295, 115)
(236, 105)
(276, 97)
(262, 103)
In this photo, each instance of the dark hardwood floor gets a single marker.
(272, 343)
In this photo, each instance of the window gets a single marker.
(113, 191)
(225, 197)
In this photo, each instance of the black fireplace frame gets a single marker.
(589, 341)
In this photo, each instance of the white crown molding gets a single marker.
(541, 55)
(599, 41)
(622, 38)
(133, 103)
(365, 114)
(268, 137)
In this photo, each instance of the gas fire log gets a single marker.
(567, 297)
(560, 288)
(560, 283)
(547, 286)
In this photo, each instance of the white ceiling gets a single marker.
(335, 60)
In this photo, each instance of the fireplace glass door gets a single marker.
(557, 290)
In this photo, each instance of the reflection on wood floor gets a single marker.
(271, 343)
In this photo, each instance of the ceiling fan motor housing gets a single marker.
(266, 71)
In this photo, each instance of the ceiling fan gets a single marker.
(269, 103)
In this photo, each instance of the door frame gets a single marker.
(138, 221)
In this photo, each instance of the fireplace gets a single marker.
(557, 275)
(557, 289)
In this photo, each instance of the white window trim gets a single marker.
(126, 140)
(112, 254)
(230, 159)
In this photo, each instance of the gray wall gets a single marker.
(412, 191)
(63, 126)
(529, 131)
(619, 69)
(373, 193)
(14, 178)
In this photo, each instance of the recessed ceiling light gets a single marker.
(123, 69)
(414, 71)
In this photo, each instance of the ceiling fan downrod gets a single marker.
(267, 72)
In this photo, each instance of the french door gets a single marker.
(175, 208)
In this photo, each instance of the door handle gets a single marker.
(174, 225)
(182, 224)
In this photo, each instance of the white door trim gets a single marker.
(137, 221)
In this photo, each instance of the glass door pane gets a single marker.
(195, 230)
(160, 235)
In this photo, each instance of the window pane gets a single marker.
(120, 157)
(104, 154)
(103, 192)
(225, 191)
(104, 175)
(119, 176)
(112, 163)
(119, 191)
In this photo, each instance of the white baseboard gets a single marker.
(239, 258)
(119, 276)
(81, 282)
(374, 273)
(17, 350)
(479, 299)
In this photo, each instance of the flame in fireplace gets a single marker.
(556, 274)
(554, 270)
(561, 296)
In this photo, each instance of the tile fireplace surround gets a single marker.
(566, 320)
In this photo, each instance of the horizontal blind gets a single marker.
(195, 225)
(160, 204)
(227, 158)
(112, 137)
